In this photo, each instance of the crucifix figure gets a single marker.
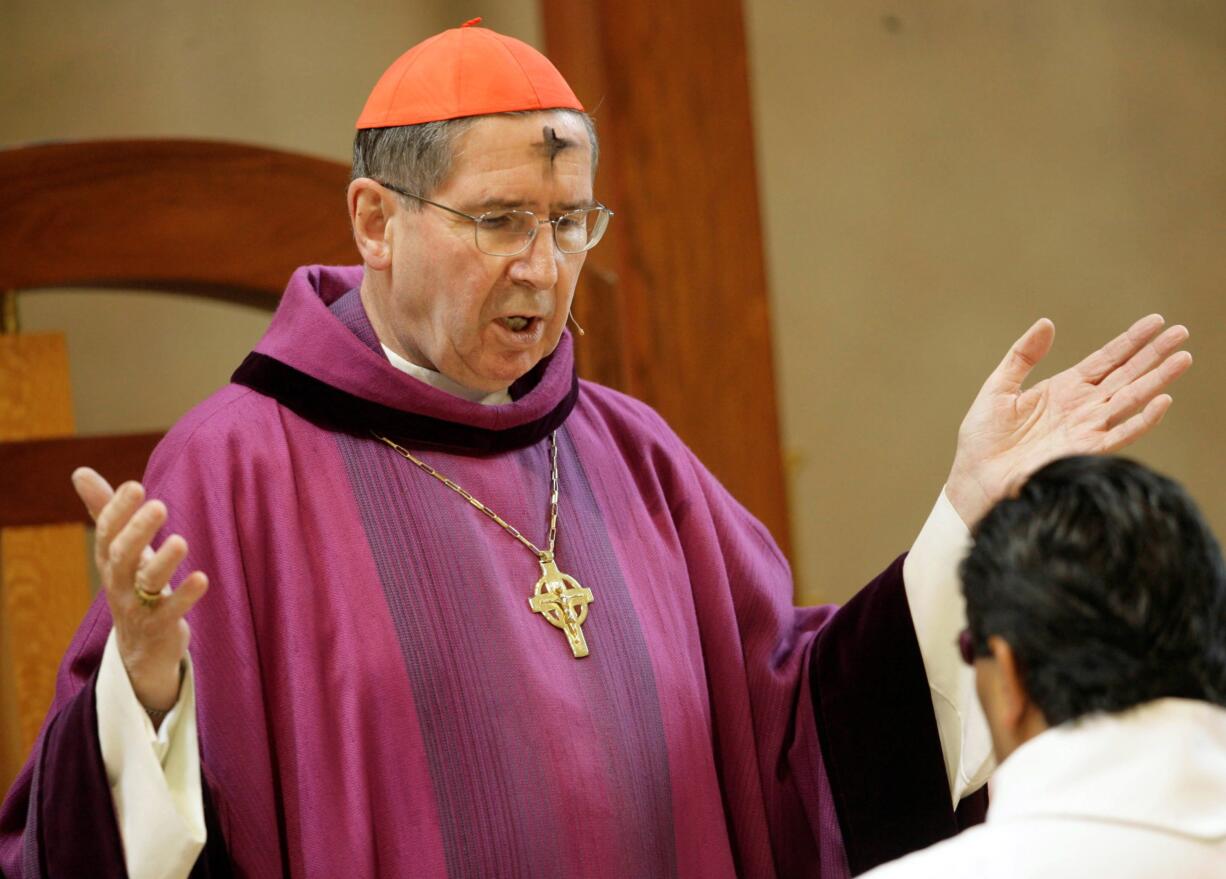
(563, 603)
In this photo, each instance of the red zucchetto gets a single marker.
(465, 71)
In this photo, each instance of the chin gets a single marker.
(520, 363)
(500, 377)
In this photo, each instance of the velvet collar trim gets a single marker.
(315, 364)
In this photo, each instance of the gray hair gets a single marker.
(418, 157)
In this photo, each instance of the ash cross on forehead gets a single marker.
(554, 144)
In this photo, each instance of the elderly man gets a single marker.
(1097, 607)
(470, 616)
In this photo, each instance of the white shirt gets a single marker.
(1137, 795)
(155, 777)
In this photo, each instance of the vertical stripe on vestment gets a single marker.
(541, 764)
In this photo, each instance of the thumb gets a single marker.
(93, 490)
(1022, 357)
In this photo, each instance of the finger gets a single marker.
(114, 517)
(184, 598)
(1022, 357)
(1139, 394)
(94, 491)
(128, 546)
(156, 568)
(1100, 364)
(1137, 426)
(1146, 359)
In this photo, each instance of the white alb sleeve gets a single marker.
(930, 576)
(154, 775)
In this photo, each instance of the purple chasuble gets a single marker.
(376, 697)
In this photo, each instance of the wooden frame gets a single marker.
(220, 220)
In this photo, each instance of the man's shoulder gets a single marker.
(622, 412)
(231, 411)
(233, 425)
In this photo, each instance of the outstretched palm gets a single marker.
(1100, 405)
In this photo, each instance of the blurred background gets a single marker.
(933, 176)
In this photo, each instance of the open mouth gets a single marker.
(518, 323)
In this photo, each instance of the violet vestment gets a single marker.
(376, 698)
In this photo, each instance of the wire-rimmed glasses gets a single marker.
(511, 232)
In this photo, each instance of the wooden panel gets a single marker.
(602, 356)
(46, 594)
(35, 396)
(44, 587)
(684, 266)
(34, 476)
(139, 214)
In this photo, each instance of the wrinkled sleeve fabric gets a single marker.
(839, 710)
(59, 818)
(154, 776)
(934, 595)
(880, 714)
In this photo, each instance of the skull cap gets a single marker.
(465, 71)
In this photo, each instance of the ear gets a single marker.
(371, 208)
(1012, 698)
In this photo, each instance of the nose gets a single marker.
(537, 266)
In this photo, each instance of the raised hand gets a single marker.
(149, 626)
(1102, 404)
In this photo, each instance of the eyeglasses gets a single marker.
(510, 233)
(966, 646)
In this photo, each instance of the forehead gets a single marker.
(546, 150)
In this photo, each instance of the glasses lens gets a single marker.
(505, 233)
(581, 230)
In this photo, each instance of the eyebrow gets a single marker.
(507, 204)
(497, 204)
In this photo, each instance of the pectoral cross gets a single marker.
(562, 602)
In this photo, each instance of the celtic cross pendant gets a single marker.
(562, 602)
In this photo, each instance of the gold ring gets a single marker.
(148, 599)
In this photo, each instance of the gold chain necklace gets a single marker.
(557, 597)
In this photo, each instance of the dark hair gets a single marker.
(1107, 584)
(419, 157)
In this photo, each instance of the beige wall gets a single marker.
(936, 179)
(285, 74)
(932, 182)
